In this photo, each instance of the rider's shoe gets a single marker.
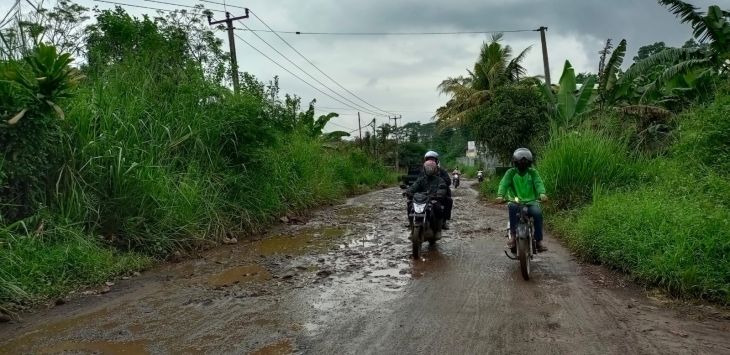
(540, 247)
(445, 226)
(511, 244)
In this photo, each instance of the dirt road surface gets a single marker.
(343, 283)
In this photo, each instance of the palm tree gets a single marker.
(493, 69)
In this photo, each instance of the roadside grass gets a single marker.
(575, 164)
(154, 163)
(50, 263)
(666, 221)
(660, 235)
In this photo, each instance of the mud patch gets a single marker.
(239, 275)
(297, 243)
(98, 347)
(280, 348)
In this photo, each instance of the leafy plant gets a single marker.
(568, 103)
(51, 79)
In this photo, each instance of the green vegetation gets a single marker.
(636, 165)
(143, 152)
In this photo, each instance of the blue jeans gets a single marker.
(532, 210)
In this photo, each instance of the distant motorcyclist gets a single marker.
(456, 177)
(480, 175)
(524, 182)
(443, 174)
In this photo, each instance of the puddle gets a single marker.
(279, 348)
(296, 243)
(238, 275)
(98, 347)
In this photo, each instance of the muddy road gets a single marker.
(343, 283)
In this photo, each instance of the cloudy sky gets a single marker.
(400, 73)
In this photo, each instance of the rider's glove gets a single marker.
(543, 197)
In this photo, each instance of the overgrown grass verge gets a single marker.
(668, 224)
(660, 236)
(42, 265)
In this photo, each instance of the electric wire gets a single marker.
(181, 5)
(295, 75)
(318, 69)
(352, 104)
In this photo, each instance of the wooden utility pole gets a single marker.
(397, 140)
(231, 43)
(545, 62)
(359, 128)
(375, 140)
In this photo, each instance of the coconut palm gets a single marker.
(495, 67)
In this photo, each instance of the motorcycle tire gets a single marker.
(416, 241)
(523, 254)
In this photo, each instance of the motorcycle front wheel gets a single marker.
(523, 253)
(416, 241)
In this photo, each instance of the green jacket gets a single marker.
(428, 184)
(527, 187)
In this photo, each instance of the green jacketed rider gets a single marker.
(525, 183)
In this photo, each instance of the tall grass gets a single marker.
(157, 159)
(575, 164)
(672, 228)
(672, 240)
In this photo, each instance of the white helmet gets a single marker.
(431, 154)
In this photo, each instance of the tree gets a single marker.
(649, 50)
(582, 78)
(516, 117)
(569, 102)
(494, 68)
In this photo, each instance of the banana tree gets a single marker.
(690, 63)
(568, 103)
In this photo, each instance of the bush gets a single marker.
(575, 164)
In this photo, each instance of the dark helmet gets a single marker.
(522, 156)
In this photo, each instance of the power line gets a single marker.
(149, 7)
(220, 3)
(391, 33)
(132, 5)
(181, 5)
(311, 76)
(290, 72)
(318, 69)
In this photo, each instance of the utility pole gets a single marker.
(397, 140)
(375, 140)
(545, 62)
(359, 128)
(231, 42)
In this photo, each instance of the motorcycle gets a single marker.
(455, 179)
(424, 225)
(525, 245)
(480, 176)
